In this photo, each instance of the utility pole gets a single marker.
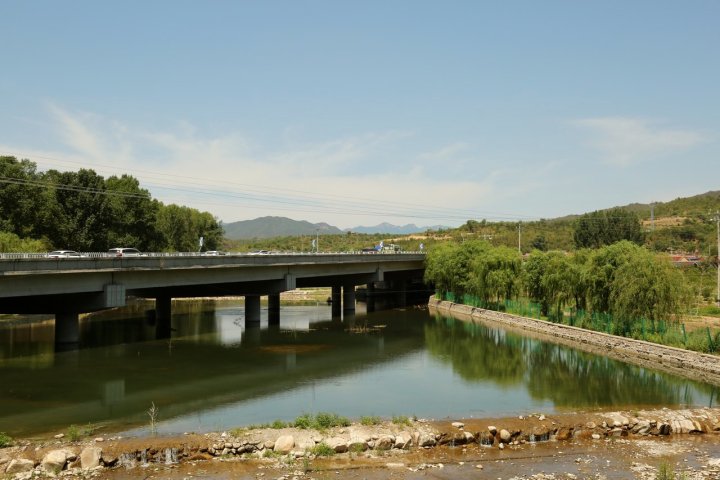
(717, 257)
(519, 236)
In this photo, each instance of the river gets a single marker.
(214, 374)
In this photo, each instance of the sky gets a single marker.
(357, 113)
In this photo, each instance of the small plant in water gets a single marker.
(5, 440)
(666, 472)
(278, 424)
(153, 413)
(370, 420)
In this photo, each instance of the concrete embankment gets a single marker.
(685, 363)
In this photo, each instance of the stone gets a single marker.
(54, 461)
(596, 436)
(284, 444)
(385, 442)
(269, 444)
(469, 437)
(590, 425)
(501, 446)
(403, 441)
(664, 429)
(505, 436)
(338, 444)
(458, 424)
(19, 465)
(427, 440)
(90, 457)
(485, 438)
(564, 433)
(357, 445)
(541, 417)
(492, 429)
(109, 460)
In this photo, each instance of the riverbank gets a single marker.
(685, 363)
(633, 444)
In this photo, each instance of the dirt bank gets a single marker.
(597, 445)
(685, 363)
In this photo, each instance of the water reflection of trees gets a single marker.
(560, 374)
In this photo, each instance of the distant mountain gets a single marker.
(269, 227)
(395, 229)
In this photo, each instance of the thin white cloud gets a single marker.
(626, 141)
(313, 181)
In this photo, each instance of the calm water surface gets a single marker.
(215, 374)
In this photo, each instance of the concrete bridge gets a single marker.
(67, 287)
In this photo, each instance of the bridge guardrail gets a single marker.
(44, 256)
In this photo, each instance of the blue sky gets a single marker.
(355, 113)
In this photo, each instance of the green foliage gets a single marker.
(370, 420)
(5, 440)
(84, 211)
(322, 449)
(304, 421)
(9, 242)
(605, 227)
(401, 420)
(321, 421)
(278, 424)
(666, 472)
(75, 433)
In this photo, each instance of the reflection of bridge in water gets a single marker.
(67, 287)
(195, 372)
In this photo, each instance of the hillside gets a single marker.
(270, 227)
(394, 229)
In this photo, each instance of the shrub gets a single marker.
(322, 449)
(328, 420)
(304, 421)
(278, 424)
(401, 420)
(5, 440)
(370, 420)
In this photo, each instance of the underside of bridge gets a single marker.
(67, 306)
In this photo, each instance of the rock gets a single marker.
(486, 438)
(395, 465)
(427, 440)
(90, 457)
(469, 437)
(541, 417)
(479, 467)
(505, 436)
(385, 442)
(284, 444)
(357, 445)
(60, 435)
(99, 440)
(269, 444)
(109, 460)
(54, 461)
(403, 441)
(19, 465)
(564, 433)
(590, 425)
(492, 429)
(664, 429)
(596, 436)
(339, 444)
(501, 446)
(458, 424)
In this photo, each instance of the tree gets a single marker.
(78, 211)
(605, 227)
(133, 215)
(495, 274)
(20, 196)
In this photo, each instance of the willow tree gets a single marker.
(647, 286)
(449, 266)
(495, 274)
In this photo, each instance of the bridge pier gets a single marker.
(252, 310)
(67, 331)
(370, 300)
(336, 299)
(274, 309)
(348, 298)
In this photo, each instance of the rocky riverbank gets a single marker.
(408, 448)
(685, 363)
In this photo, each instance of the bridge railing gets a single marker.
(45, 256)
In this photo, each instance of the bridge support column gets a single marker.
(336, 301)
(163, 317)
(252, 310)
(370, 301)
(274, 309)
(402, 288)
(348, 298)
(67, 331)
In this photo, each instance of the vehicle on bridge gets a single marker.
(65, 254)
(126, 252)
